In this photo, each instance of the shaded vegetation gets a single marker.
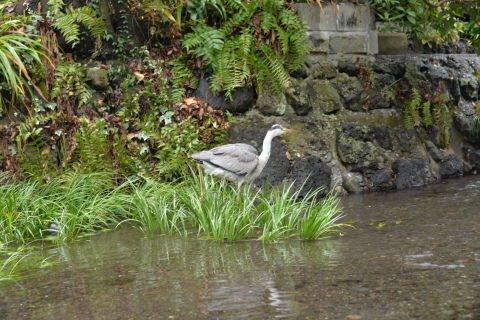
(430, 22)
(427, 110)
(142, 124)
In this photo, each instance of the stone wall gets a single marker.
(346, 105)
(352, 137)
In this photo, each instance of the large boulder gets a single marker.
(469, 87)
(451, 166)
(356, 149)
(474, 157)
(243, 98)
(382, 94)
(380, 180)
(350, 89)
(439, 75)
(271, 103)
(462, 118)
(98, 78)
(311, 173)
(323, 96)
(297, 97)
(409, 173)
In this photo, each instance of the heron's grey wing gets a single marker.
(202, 156)
(239, 158)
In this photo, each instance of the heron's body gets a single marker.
(238, 162)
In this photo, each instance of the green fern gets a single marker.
(427, 115)
(55, 6)
(206, 41)
(36, 158)
(259, 43)
(475, 126)
(429, 110)
(92, 152)
(233, 69)
(40, 155)
(100, 148)
(182, 75)
(71, 81)
(411, 113)
(69, 22)
(442, 119)
(276, 72)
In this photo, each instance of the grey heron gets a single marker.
(238, 162)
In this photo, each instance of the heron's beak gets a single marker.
(288, 130)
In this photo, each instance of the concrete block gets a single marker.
(348, 43)
(353, 18)
(341, 17)
(392, 43)
(373, 42)
(315, 18)
(318, 41)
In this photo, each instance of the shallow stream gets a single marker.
(413, 254)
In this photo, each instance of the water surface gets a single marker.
(413, 254)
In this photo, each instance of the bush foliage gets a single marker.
(431, 21)
(142, 124)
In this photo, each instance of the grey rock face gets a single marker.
(355, 114)
(409, 173)
(243, 98)
(451, 166)
(311, 173)
(98, 78)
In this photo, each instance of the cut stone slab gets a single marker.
(392, 43)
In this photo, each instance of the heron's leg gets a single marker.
(200, 177)
(239, 191)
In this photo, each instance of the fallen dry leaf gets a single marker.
(139, 76)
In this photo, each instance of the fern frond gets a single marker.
(269, 22)
(206, 42)
(68, 24)
(412, 107)
(442, 119)
(38, 157)
(278, 76)
(55, 5)
(233, 69)
(71, 81)
(92, 152)
(427, 115)
(238, 19)
(235, 5)
(288, 18)
(182, 75)
(475, 126)
(260, 42)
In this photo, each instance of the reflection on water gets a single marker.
(412, 255)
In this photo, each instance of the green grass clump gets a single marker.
(80, 204)
(284, 213)
(218, 209)
(154, 206)
(223, 212)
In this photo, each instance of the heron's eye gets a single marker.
(276, 127)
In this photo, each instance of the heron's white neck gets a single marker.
(267, 147)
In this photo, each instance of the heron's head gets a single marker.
(277, 130)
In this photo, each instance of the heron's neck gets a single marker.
(267, 147)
